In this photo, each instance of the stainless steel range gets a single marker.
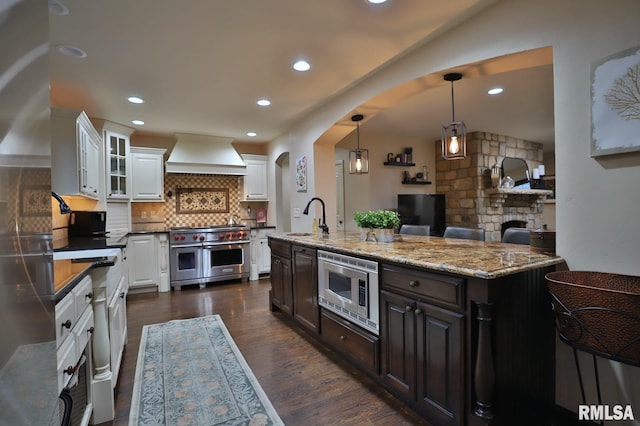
(203, 255)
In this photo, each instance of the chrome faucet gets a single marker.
(323, 225)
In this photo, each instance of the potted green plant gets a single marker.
(378, 224)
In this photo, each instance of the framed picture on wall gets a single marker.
(301, 174)
(615, 104)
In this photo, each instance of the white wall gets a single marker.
(379, 188)
(598, 199)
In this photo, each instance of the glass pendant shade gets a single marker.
(454, 140)
(358, 159)
(454, 133)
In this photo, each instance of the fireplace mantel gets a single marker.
(498, 196)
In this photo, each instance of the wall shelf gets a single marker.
(395, 163)
(416, 182)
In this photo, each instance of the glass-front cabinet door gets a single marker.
(117, 146)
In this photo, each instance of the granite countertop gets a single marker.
(464, 257)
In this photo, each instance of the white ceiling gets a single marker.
(202, 64)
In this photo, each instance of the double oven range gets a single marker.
(208, 254)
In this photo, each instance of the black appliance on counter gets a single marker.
(87, 224)
(423, 209)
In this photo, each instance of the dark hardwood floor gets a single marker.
(306, 382)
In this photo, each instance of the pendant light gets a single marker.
(358, 159)
(454, 134)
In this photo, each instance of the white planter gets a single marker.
(377, 235)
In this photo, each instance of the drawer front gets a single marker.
(66, 359)
(280, 248)
(350, 340)
(82, 332)
(65, 318)
(445, 290)
(83, 294)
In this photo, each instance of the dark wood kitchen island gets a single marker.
(466, 330)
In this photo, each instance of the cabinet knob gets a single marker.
(122, 295)
(408, 308)
(70, 370)
(89, 295)
(67, 324)
(418, 311)
(343, 338)
(414, 283)
(90, 331)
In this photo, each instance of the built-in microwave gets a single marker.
(348, 286)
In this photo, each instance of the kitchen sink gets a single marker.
(300, 234)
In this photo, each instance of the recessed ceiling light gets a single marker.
(57, 8)
(135, 100)
(75, 52)
(252, 134)
(301, 65)
(264, 102)
(495, 91)
(376, 1)
(138, 122)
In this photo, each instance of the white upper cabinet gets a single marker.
(255, 181)
(116, 159)
(118, 165)
(147, 176)
(76, 159)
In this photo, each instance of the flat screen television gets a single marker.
(423, 209)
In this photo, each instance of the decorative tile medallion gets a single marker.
(35, 200)
(202, 200)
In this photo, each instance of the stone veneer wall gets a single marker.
(466, 184)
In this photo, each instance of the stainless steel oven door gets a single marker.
(186, 263)
(226, 261)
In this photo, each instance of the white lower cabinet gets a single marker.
(148, 259)
(264, 256)
(74, 325)
(143, 261)
(110, 334)
(163, 262)
(118, 327)
(260, 252)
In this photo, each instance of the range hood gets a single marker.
(212, 155)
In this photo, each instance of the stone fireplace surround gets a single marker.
(470, 199)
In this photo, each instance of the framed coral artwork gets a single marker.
(615, 104)
(301, 174)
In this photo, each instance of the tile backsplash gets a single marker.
(153, 216)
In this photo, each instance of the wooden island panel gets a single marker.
(467, 334)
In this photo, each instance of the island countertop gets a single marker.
(464, 257)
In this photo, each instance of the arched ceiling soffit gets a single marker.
(394, 96)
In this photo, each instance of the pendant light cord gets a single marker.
(453, 105)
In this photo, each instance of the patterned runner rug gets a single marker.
(190, 372)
